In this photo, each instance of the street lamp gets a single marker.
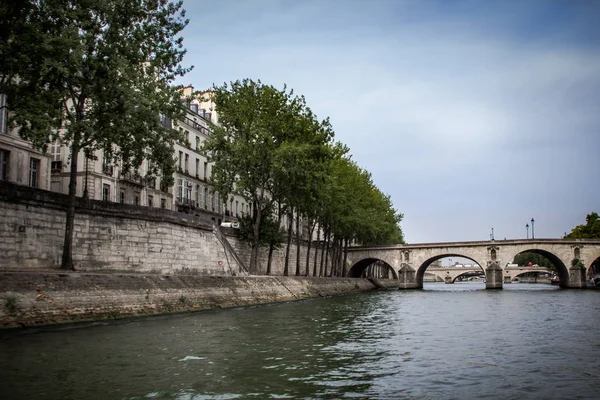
(532, 232)
(527, 227)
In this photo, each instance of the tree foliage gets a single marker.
(95, 75)
(272, 150)
(591, 229)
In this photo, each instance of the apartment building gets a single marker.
(19, 162)
(100, 179)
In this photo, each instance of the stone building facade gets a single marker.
(19, 162)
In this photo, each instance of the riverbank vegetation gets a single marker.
(591, 229)
(271, 149)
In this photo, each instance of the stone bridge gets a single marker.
(572, 258)
(451, 274)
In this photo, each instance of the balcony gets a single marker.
(133, 178)
(199, 127)
(56, 166)
(185, 202)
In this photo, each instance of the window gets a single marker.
(197, 168)
(187, 191)
(106, 167)
(205, 198)
(179, 189)
(34, 165)
(136, 199)
(181, 160)
(122, 198)
(197, 143)
(236, 208)
(197, 194)
(187, 163)
(3, 113)
(164, 121)
(205, 170)
(163, 203)
(106, 192)
(194, 107)
(150, 201)
(4, 155)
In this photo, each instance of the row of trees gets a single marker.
(271, 149)
(97, 74)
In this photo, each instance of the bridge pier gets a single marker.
(577, 276)
(407, 278)
(493, 276)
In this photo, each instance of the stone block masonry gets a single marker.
(116, 237)
(36, 299)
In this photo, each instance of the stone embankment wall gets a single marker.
(117, 237)
(35, 299)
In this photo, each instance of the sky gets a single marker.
(471, 115)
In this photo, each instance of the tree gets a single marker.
(253, 118)
(95, 75)
(299, 169)
(591, 230)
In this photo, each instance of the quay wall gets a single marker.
(119, 237)
(35, 298)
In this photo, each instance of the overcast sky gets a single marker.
(471, 115)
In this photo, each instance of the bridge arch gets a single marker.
(593, 272)
(358, 269)
(420, 273)
(561, 268)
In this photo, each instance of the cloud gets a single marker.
(467, 115)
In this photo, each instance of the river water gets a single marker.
(528, 341)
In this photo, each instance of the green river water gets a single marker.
(528, 341)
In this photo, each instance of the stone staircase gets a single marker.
(230, 252)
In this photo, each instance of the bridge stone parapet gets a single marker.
(572, 257)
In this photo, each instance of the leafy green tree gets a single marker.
(591, 230)
(270, 232)
(357, 211)
(95, 75)
(299, 167)
(252, 119)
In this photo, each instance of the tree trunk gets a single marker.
(255, 243)
(298, 236)
(67, 255)
(344, 272)
(323, 253)
(327, 251)
(317, 251)
(338, 257)
(271, 247)
(270, 259)
(286, 270)
(308, 246)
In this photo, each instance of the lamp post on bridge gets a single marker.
(532, 232)
(527, 227)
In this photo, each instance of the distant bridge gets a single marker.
(451, 274)
(572, 258)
